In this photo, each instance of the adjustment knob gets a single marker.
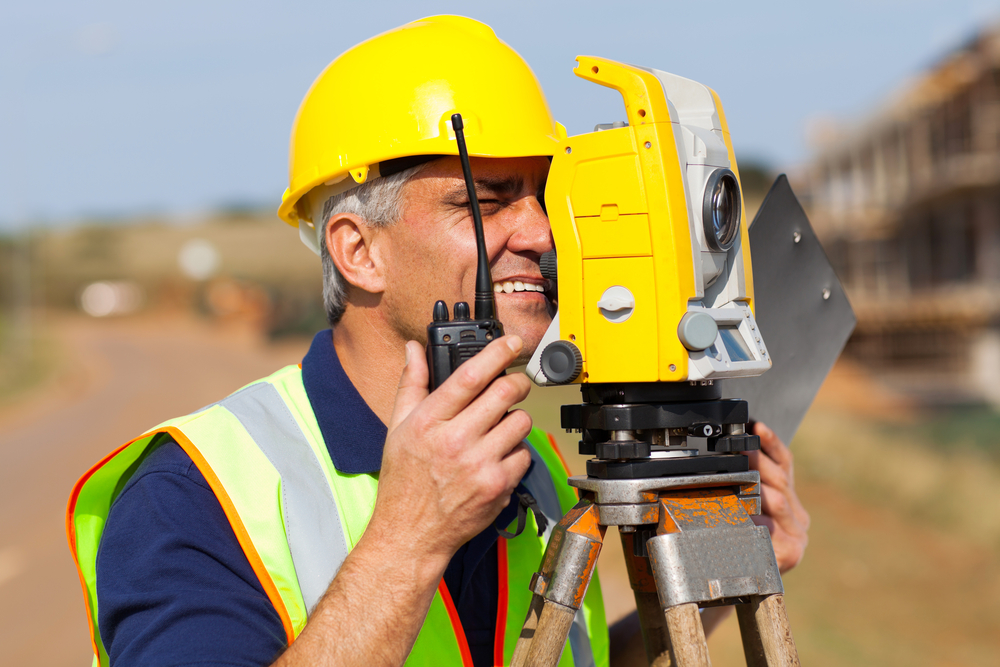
(461, 311)
(697, 331)
(547, 264)
(561, 362)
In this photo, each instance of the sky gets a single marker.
(119, 108)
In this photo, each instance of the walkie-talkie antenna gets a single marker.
(486, 308)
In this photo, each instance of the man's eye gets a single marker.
(489, 206)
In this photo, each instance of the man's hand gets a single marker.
(452, 458)
(451, 461)
(783, 513)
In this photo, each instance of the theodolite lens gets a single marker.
(721, 212)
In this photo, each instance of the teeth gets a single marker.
(509, 287)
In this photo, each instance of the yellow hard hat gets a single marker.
(393, 96)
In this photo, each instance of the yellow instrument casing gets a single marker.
(627, 204)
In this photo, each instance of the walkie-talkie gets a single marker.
(451, 343)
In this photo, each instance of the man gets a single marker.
(213, 538)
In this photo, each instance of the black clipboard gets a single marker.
(801, 310)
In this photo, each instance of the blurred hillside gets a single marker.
(256, 274)
(261, 271)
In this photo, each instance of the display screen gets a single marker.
(738, 350)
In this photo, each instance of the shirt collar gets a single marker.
(353, 434)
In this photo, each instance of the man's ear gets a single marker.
(349, 241)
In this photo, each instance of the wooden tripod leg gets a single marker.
(775, 632)
(687, 636)
(655, 637)
(753, 648)
(550, 635)
(527, 635)
(767, 637)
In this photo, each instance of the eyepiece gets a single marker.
(722, 210)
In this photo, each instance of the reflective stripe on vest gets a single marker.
(262, 453)
(318, 545)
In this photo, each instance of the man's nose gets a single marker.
(529, 228)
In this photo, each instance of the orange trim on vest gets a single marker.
(456, 624)
(555, 448)
(501, 631)
(241, 532)
(227, 506)
(71, 533)
(562, 459)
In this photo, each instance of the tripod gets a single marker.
(684, 521)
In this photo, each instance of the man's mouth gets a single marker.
(510, 286)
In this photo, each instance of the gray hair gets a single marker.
(379, 202)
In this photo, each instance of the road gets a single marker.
(114, 379)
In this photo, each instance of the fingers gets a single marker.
(412, 384)
(764, 520)
(782, 512)
(772, 445)
(775, 462)
(776, 505)
(516, 463)
(469, 379)
(776, 479)
(506, 437)
(491, 405)
(771, 474)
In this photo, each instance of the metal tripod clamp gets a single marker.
(574, 545)
(709, 563)
(706, 547)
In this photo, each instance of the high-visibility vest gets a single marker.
(262, 453)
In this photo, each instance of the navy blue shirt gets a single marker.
(174, 585)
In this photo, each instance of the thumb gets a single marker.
(412, 385)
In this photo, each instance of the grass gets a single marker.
(963, 430)
(933, 473)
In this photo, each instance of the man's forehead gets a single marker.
(507, 176)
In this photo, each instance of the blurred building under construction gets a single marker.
(907, 204)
